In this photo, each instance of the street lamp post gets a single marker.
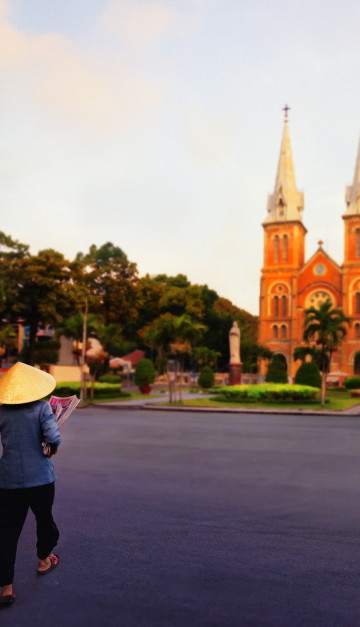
(83, 351)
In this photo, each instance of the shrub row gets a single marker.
(109, 378)
(352, 383)
(267, 392)
(100, 389)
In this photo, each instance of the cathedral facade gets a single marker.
(289, 284)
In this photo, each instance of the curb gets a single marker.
(227, 410)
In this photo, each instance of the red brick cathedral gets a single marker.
(289, 285)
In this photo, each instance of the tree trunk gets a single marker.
(323, 387)
(32, 342)
(324, 371)
(181, 375)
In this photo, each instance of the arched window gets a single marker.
(285, 248)
(357, 331)
(275, 332)
(283, 305)
(276, 249)
(276, 306)
(357, 363)
(357, 243)
(357, 302)
(283, 332)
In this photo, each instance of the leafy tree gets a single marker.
(157, 336)
(204, 356)
(326, 327)
(149, 294)
(250, 354)
(174, 335)
(180, 280)
(10, 251)
(44, 291)
(181, 300)
(219, 318)
(186, 332)
(301, 352)
(8, 340)
(111, 280)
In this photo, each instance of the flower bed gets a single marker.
(267, 392)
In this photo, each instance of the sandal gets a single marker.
(7, 599)
(54, 560)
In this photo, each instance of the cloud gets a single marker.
(143, 23)
(48, 70)
(4, 9)
(139, 23)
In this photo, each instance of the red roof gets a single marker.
(134, 357)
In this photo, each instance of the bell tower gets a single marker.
(351, 273)
(284, 255)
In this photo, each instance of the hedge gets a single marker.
(100, 389)
(308, 374)
(109, 378)
(352, 383)
(206, 378)
(267, 392)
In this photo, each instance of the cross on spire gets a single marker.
(286, 109)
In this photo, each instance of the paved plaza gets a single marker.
(172, 519)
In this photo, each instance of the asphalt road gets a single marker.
(199, 520)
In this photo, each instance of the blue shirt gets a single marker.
(23, 428)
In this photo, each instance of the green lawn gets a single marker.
(335, 402)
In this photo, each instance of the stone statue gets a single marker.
(234, 340)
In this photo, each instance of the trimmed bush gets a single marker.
(308, 374)
(100, 389)
(267, 392)
(110, 378)
(144, 373)
(352, 383)
(276, 372)
(206, 378)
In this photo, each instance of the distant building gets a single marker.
(289, 285)
(134, 357)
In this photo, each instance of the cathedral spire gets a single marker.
(352, 195)
(286, 203)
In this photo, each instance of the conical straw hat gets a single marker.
(23, 384)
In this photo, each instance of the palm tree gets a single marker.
(325, 326)
(186, 333)
(73, 328)
(173, 335)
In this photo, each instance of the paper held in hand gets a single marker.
(61, 407)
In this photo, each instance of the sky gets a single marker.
(156, 125)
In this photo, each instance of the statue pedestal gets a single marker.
(234, 374)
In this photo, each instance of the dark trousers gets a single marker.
(14, 506)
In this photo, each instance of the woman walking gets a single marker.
(27, 475)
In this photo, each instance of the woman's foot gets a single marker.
(48, 564)
(7, 596)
